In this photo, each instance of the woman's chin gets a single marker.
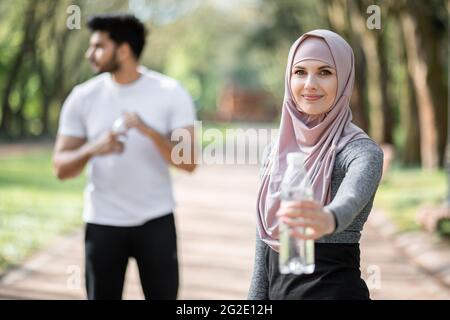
(310, 111)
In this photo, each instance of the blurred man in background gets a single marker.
(119, 123)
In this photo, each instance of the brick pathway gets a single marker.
(216, 229)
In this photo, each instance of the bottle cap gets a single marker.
(295, 159)
(119, 126)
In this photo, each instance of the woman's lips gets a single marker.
(311, 97)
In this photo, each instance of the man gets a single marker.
(128, 199)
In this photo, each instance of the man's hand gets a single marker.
(71, 154)
(164, 145)
(107, 143)
(132, 120)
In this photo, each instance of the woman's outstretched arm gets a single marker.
(259, 285)
(364, 166)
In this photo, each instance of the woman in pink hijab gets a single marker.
(344, 166)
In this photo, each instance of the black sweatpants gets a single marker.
(153, 245)
(337, 275)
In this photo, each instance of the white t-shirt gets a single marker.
(131, 188)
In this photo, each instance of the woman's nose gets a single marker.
(310, 82)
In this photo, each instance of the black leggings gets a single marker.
(152, 244)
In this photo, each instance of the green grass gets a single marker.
(34, 206)
(405, 191)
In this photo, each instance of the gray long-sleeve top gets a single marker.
(356, 174)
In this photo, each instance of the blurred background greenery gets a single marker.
(34, 206)
(400, 96)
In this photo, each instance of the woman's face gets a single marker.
(314, 86)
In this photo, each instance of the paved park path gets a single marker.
(216, 230)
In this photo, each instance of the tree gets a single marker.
(426, 34)
(29, 28)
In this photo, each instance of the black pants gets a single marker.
(153, 245)
(337, 275)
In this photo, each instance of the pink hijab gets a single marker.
(319, 137)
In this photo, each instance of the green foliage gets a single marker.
(205, 45)
(203, 57)
(404, 191)
(444, 227)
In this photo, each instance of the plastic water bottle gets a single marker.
(120, 128)
(295, 256)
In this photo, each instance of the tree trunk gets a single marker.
(407, 103)
(340, 20)
(28, 26)
(21, 113)
(359, 99)
(51, 78)
(433, 37)
(448, 115)
(418, 70)
(411, 152)
(381, 118)
(384, 80)
(373, 87)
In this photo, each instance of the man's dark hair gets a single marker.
(121, 28)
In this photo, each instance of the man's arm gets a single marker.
(164, 144)
(71, 153)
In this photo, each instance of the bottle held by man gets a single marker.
(120, 128)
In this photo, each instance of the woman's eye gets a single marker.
(325, 72)
(300, 72)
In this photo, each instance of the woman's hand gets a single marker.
(308, 214)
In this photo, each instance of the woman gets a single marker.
(345, 167)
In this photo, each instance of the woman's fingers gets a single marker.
(294, 212)
(299, 222)
(309, 234)
(305, 215)
(312, 229)
(304, 204)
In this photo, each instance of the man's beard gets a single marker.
(111, 66)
